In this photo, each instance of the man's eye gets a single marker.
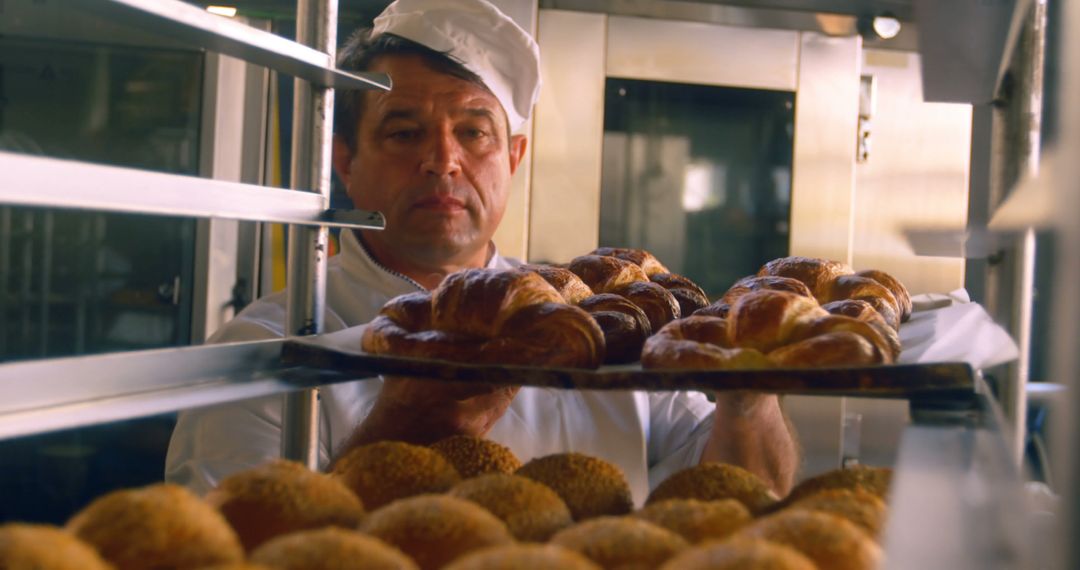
(404, 134)
(474, 133)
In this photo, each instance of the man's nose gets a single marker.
(442, 157)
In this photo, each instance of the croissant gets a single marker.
(570, 286)
(865, 312)
(817, 274)
(488, 316)
(604, 273)
(624, 324)
(866, 289)
(807, 328)
(841, 348)
(765, 320)
(643, 259)
(832, 281)
(686, 292)
(698, 343)
(690, 296)
(613, 275)
(903, 298)
(765, 328)
(769, 282)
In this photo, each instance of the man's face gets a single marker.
(432, 155)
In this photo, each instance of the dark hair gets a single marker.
(360, 52)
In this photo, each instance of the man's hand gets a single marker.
(750, 430)
(423, 411)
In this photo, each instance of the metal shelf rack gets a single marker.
(49, 394)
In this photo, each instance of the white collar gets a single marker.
(360, 264)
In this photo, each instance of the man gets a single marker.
(436, 155)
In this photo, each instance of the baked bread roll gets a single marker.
(717, 309)
(698, 342)
(572, 289)
(865, 312)
(832, 281)
(613, 275)
(658, 303)
(903, 298)
(604, 273)
(643, 259)
(866, 289)
(281, 497)
(624, 324)
(436, 529)
(488, 316)
(686, 292)
(766, 328)
(841, 348)
(689, 295)
(621, 542)
(828, 540)
(765, 320)
(157, 526)
(816, 274)
(883, 349)
(767, 282)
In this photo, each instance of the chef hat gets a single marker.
(475, 33)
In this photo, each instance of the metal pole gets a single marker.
(1066, 321)
(313, 108)
(1014, 393)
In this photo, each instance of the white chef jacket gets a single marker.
(648, 434)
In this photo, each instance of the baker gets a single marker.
(436, 155)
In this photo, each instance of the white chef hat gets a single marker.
(486, 41)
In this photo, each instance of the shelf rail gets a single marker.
(55, 183)
(39, 396)
(191, 25)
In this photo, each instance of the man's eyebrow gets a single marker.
(482, 112)
(398, 114)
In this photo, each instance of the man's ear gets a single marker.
(342, 160)
(518, 144)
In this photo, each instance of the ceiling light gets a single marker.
(227, 11)
(886, 27)
(883, 26)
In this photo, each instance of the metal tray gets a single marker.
(937, 380)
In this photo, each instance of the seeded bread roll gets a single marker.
(281, 497)
(158, 526)
(383, 472)
(436, 529)
(590, 486)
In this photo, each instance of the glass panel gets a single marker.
(74, 282)
(698, 175)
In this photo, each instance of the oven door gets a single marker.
(715, 147)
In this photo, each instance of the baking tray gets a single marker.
(340, 352)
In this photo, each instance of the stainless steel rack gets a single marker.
(143, 383)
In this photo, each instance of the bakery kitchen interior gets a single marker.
(771, 275)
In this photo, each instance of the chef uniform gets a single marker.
(648, 435)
